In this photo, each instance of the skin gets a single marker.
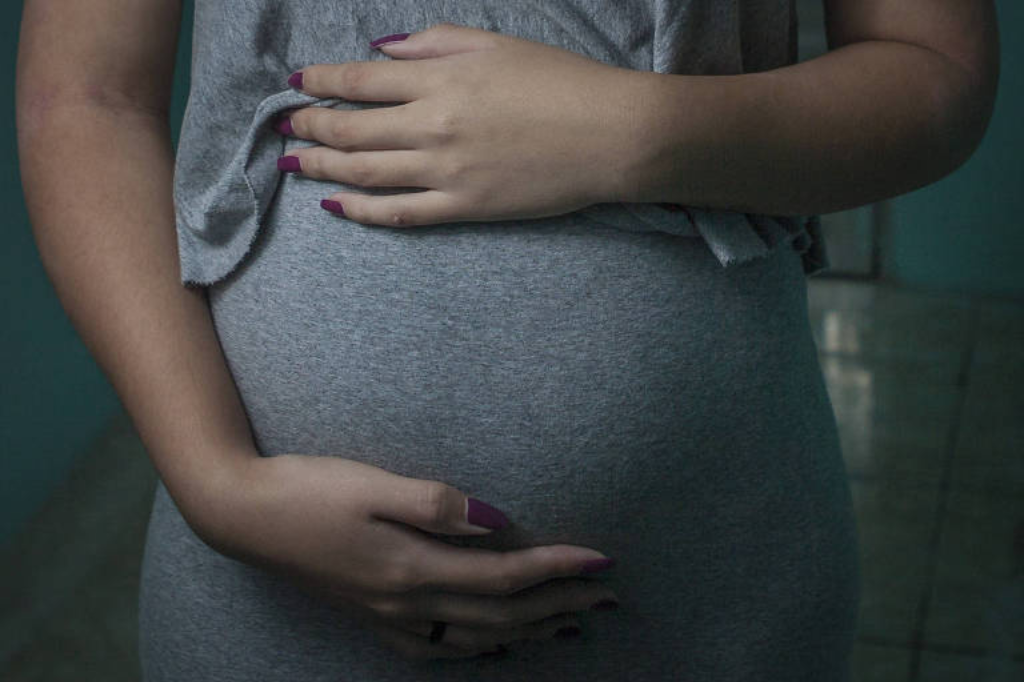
(494, 128)
(92, 90)
(497, 127)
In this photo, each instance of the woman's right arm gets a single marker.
(92, 98)
(93, 91)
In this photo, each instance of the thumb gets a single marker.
(436, 507)
(437, 41)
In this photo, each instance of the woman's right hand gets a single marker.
(353, 535)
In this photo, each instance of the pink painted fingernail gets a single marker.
(284, 126)
(595, 565)
(393, 38)
(295, 80)
(484, 515)
(332, 206)
(289, 164)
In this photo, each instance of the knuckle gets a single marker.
(338, 130)
(445, 124)
(433, 494)
(362, 174)
(557, 562)
(312, 165)
(387, 607)
(504, 583)
(452, 172)
(313, 76)
(399, 218)
(399, 578)
(353, 76)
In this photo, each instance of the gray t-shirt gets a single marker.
(243, 51)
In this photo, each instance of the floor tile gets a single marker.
(894, 525)
(840, 294)
(75, 531)
(894, 416)
(874, 663)
(978, 596)
(881, 321)
(93, 635)
(1000, 331)
(989, 454)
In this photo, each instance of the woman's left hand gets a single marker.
(494, 127)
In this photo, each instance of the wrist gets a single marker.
(227, 494)
(627, 134)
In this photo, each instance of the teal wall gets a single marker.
(961, 234)
(54, 400)
(965, 233)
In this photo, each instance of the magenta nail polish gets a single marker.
(332, 206)
(595, 565)
(289, 164)
(484, 515)
(393, 38)
(295, 80)
(284, 126)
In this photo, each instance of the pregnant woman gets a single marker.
(493, 358)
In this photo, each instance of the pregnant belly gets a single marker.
(611, 389)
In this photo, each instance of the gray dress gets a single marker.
(625, 377)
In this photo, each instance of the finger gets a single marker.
(416, 647)
(527, 606)
(367, 169)
(423, 628)
(449, 568)
(407, 209)
(442, 39)
(362, 129)
(377, 81)
(435, 507)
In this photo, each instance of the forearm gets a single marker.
(862, 123)
(97, 182)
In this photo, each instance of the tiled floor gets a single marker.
(929, 394)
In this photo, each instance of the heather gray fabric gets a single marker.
(602, 382)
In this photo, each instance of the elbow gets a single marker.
(964, 107)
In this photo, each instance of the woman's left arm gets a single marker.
(902, 99)
(496, 127)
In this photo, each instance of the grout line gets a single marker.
(917, 641)
(908, 481)
(958, 650)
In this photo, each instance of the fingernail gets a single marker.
(284, 126)
(290, 164)
(295, 80)
(484, 515)
(567, 632)
(595, 565)
(393, 38)
(332, 206)
(605, 605)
